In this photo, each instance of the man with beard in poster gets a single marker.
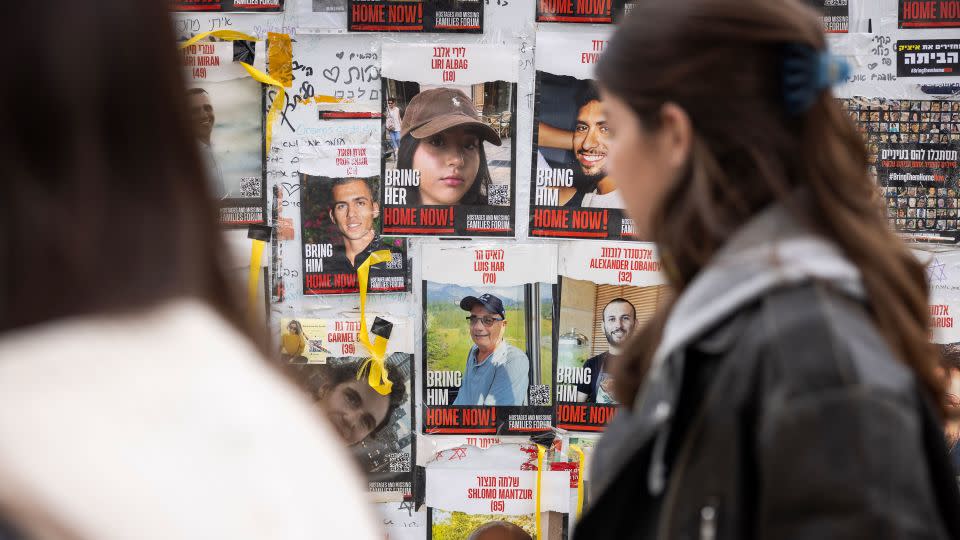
(201, 111)
(353, 209)
(592, 188)
(619, 318)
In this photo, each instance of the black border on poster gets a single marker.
(428, 15)
(947, 69)
(223, 6)
(551, 16)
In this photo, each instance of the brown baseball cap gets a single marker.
(438, 109)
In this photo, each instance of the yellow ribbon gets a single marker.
(256, 255)
(580, 458)
(256, 74)
(280, 58)
(377, 376)
(540, 452)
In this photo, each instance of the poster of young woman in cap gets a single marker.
(434, 16)
(234, 6)
(453, 173)
(487, 323)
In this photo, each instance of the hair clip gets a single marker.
(807, 72)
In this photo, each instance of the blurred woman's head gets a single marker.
(355, 409)
(707, 133)
(105, 201)
(442, 137)
(701, 125)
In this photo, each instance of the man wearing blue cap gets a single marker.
(497, 373)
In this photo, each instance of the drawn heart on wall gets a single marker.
(332, 74)
(340, 55)
(290, 188)
(872, 66)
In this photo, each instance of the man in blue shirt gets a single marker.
(496, 373)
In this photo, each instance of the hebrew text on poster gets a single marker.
(449, 115)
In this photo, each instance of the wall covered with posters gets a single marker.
(331, 122)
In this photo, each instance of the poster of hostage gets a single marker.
(449, 114)
(607, 292)
(434, 16)
(571, 195)
(474, 494)
(324, 356)
(487, 320)
(252, 6)
(583, 11)
(226, 109)
(341, 213)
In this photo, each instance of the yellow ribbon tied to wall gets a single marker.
(253, 279)
(256, 74)
(580, 458)
(540, 452)
(377, 375)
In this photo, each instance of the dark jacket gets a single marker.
(774, 410)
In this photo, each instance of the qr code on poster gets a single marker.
(250, 187)
(498, 195)
(395, 262)
(400, 462)
(539, 394)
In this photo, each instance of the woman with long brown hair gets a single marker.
(134, 400)
(790, 390)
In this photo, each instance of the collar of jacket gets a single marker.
(771, 251)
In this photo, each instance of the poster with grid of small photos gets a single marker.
(912, 150)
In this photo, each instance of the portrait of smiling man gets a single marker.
(588, 141)
(590, 138)
(619, 319)
(496, 372)
(353, 210)
(203, 117)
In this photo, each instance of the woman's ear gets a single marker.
(675, 135)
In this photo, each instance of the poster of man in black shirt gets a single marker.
(341, 218)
